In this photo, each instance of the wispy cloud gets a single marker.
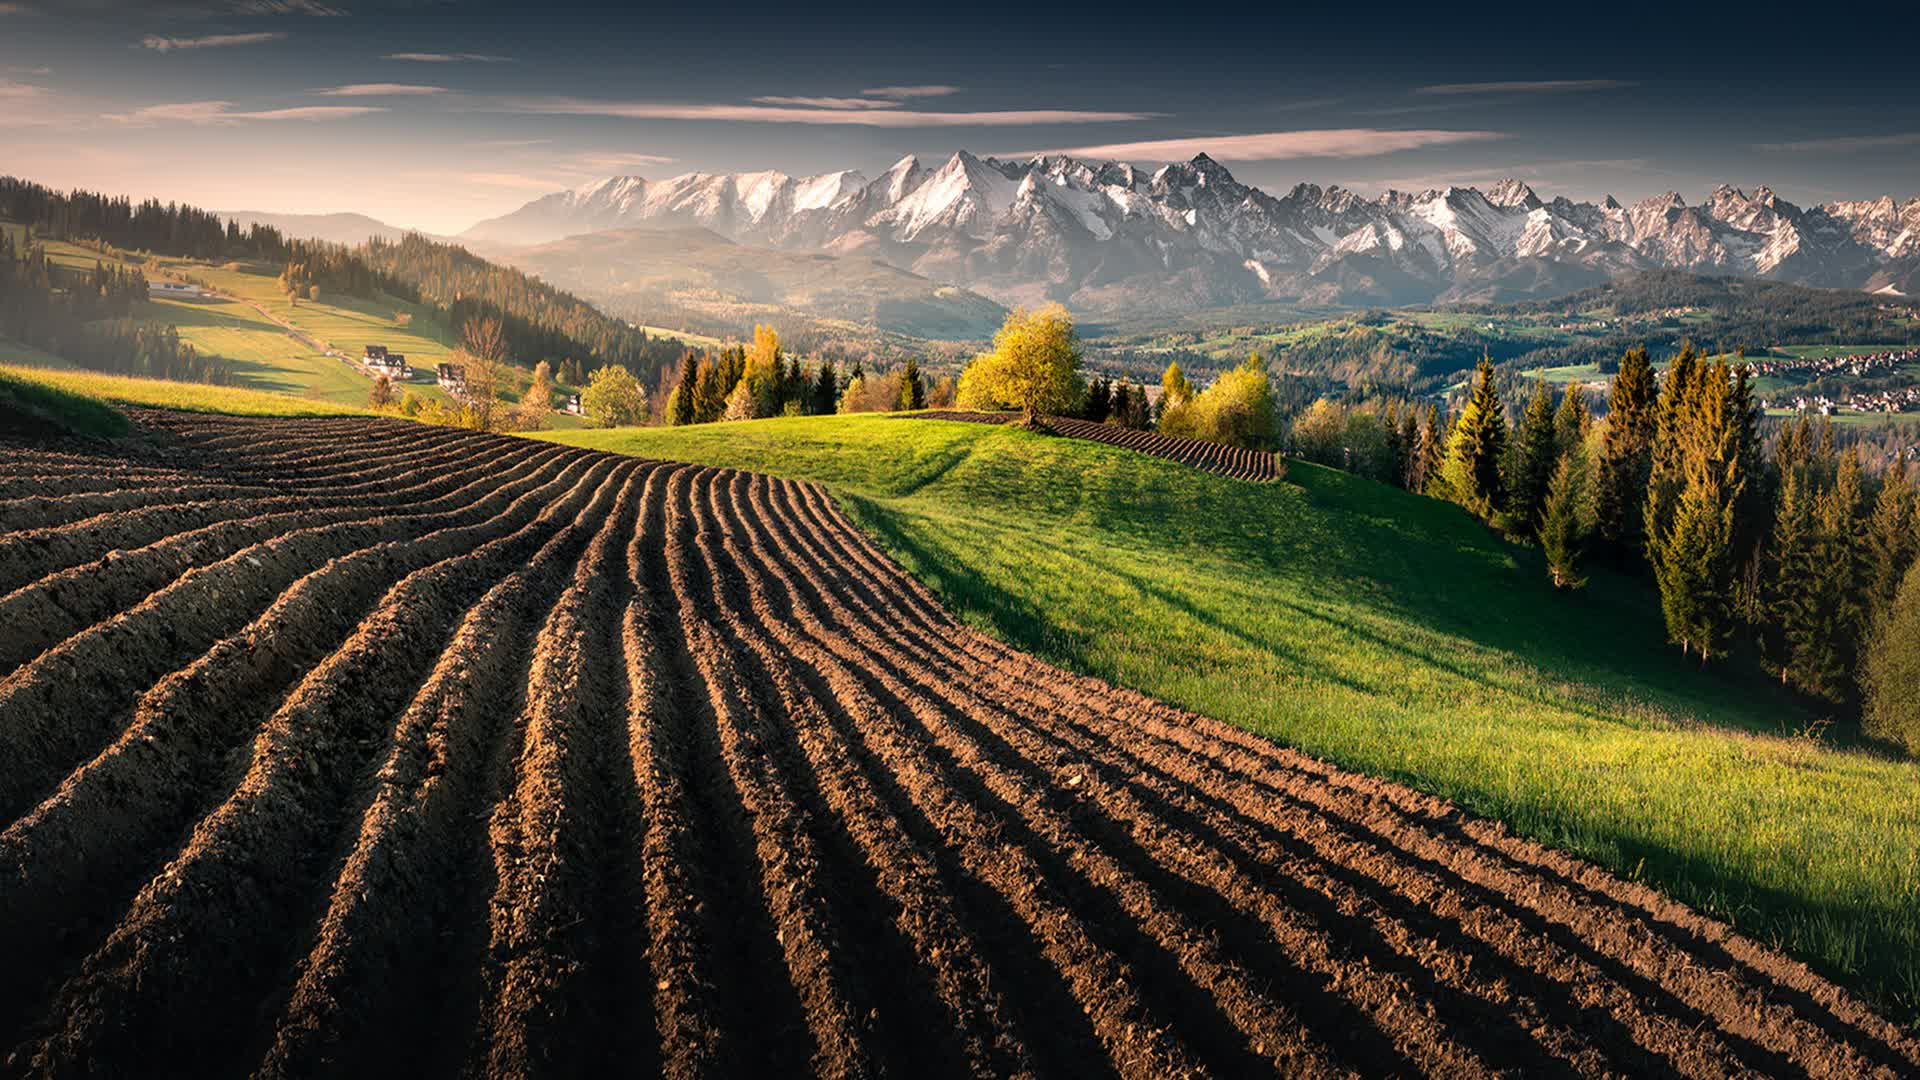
(602, 162)
(829, 102)
(903, 92)
(448, 58)
(1540, 86)
(772, 114)
(285, 7)
(1281, 145)
(1845, 143)
(12, 9)
(383, 89)
(223, 112)
(211, 41)
(16, 91)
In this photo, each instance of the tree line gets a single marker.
(1801, 557)
(762, 379)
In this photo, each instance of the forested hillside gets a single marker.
(541, 323)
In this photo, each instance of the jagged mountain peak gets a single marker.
(1511, 192)
(1107, 235)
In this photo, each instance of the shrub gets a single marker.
(613, 398)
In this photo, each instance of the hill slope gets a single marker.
(1391, 634)
(697, 275)
(344, 228)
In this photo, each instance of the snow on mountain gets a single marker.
(1108, 236)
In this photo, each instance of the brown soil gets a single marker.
(1232, 462)
(369, 747)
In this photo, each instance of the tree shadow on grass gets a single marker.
(962, 590)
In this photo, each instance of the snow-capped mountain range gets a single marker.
(1104, 236)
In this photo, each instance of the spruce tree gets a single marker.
(682, 412)
(1617, 487)
(1433, 448)
(1531, 462)
(1120, 403)
(1891, 670)
(1560, 522)
(1788, 571)
(1676, 420)
(826, 390)
(1571, 422)
(1698, 477)
(1844, 579)
(913, 394)
(1893, 538)
(1396, 456)
(709, 396)
(1409, 476)
(1099, 399)
(1476, 448)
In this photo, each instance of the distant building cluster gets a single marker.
(453, 379)
(378, 361)
(1817, 366)
(173, 290)
(1896, 400)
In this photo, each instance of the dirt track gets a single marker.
(1228, 461)
(339, 745)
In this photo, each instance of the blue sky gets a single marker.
(435, 114)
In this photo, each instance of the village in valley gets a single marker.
(1808, 390)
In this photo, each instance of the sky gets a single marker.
(435, 114)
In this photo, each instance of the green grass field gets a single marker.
(1392, 634)
(161, 394)
(240, 325)
(30, 404)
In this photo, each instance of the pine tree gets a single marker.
(913, 393)
(1410, 449)
(1560, 522)
(1675, 420)
(1698, 476)
(1617, 488)
(1532, 459)
(1893, 538)
(1099, 400)
(1476, 447)
(826, 390)
(709, 392)
(1891, 670)
(1573, 420)
(1120, 403)
(1788, 572)
(683, 404)
(1843, 580)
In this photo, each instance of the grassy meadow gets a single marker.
(1392, 634)
(163, 394)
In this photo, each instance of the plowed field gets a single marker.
(1228, 461)
(337, 746)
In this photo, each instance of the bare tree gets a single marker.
(484, 343)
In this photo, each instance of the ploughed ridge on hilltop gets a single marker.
(338, 744)
(1232, 462)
